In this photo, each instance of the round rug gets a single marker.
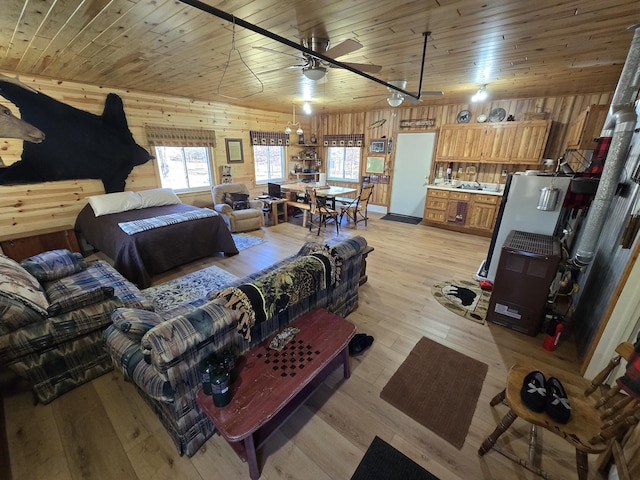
(463, 297)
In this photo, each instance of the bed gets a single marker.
(140, 255)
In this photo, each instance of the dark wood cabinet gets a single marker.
(37, 242)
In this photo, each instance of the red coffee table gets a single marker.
(271, 385)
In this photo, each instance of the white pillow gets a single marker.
(114, 202)
(158, 197)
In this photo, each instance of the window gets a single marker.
(184, 168)
(344, 163)
(269, 163)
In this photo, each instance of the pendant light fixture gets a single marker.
(291, 125)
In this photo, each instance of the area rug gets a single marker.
(187, 288)
(439, 388)
(401, 218)
(463, 297)
(244, 240)
(383, 462)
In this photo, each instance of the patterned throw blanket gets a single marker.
(272, 293)
(144, 224)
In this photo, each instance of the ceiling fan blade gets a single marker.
(269, 50)
(431, 93)
(266, 72)
(365, 96)
(412, 100)
(363, 67)
(343, 48)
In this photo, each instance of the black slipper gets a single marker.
(558, 407)
(534, 392)
(359, 344)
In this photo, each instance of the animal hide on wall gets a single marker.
(77, 144)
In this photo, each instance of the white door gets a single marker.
(410, 173)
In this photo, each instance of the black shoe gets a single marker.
(558, 407)
(359, 344)
(534, 391)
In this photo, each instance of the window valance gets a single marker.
(269, 138)
(180, 137)
(353, 140)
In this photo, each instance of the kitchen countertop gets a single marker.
(486, 191)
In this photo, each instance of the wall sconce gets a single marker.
(291, 125)
(480, 95)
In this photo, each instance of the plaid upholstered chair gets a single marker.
(53, 310)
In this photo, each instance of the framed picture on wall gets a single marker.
(375, 165)
(378, 146)
(234, 150)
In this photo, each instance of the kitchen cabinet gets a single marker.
(436, 205)
(483, 211)
(455, 143)
(462, 211)
(586, 128)
(458, 208)
(37, 242)
(503, 142)
(530, 141)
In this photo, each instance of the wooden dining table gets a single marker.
(329, 192)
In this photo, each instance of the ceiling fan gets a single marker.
(314, 68)
(395, 98)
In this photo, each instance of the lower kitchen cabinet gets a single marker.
(436, 204)
(483, 211)
(461, 211)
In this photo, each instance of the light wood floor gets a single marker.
(104, 430)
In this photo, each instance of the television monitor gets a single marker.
(274, 190)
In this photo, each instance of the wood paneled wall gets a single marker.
(36, 207)
(562, 110)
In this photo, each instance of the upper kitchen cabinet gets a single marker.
(460, 141)
(586, 128)
(498, 142)
(530, 141)
(503, 142)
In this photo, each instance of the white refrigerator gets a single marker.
(519, 211)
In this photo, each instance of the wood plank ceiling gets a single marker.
(519, 48)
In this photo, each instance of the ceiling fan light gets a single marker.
(314, 73)
(287, 130)
(395, 99)
(299, 131)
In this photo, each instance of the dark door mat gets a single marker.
(382, 461)
(402, 218)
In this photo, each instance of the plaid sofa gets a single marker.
(53, 310)
(161, 352)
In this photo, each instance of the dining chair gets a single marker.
(356, 210)
(594, 425)
(319, 212)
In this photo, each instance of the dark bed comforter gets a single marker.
(147, 253)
